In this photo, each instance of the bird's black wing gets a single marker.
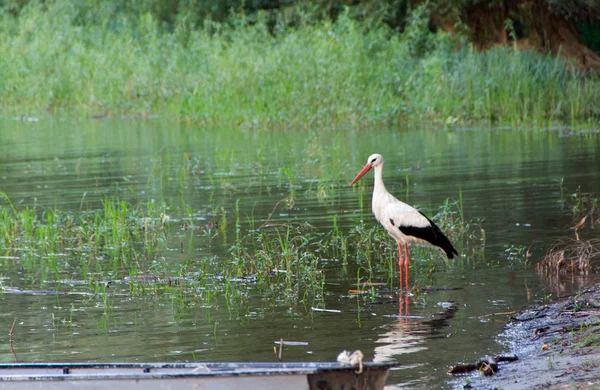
(431, 234)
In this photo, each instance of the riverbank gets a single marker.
(64, 59)
(558, 346)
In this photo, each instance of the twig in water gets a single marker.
(486, 366)
(279, 356)
(272, 211)
(504, 313)
(10, 334)
(326, 310)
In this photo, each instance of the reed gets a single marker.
(281, 261)
(120, 248)
(97, 244)
(320, 74)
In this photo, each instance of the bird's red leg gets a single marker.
(400, 263)
(406, 262)
(406, 298)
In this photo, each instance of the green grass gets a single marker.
(53, 61)
(293, 261)
(123, 245)
(282, 261)
(128, 248)
(109, 242)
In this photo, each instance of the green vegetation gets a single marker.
(106, 243)
(62, 58)
(583, 206)
(123, 246)
(282, 261)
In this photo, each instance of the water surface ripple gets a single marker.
(511, 180)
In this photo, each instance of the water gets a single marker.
(510, 179)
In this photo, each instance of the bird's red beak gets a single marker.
(365, 169)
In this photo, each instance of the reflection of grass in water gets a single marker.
(223, 177)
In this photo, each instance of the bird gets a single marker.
(403, 222)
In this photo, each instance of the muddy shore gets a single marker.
(558, 346)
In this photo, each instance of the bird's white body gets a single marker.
(392, 213)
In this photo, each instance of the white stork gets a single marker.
(403, 222)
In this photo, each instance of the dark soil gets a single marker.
(558, 346)
(534, 26)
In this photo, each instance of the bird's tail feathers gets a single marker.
(444, 243)
(449, 249)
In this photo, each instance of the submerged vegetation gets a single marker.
(124, 246)
(106, 243)
(61, 57)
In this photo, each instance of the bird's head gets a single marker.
(374, 160)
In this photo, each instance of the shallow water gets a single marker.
(510, 179)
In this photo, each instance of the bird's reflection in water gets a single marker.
(401, 336)
(407, 334)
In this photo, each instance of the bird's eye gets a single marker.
(372, 161)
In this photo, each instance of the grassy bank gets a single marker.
(54, 61)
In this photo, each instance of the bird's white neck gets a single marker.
(379, 187)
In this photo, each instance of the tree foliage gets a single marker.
(537, 24)
(393, 12)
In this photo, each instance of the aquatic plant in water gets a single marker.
(281, 261)
(120, 248)
(583, 206)
(110, 241)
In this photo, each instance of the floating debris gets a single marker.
(12, 290)
(486, 366)
(292, 343)
(369, 284)
(358, 292)
(326, 310)
(447, 305)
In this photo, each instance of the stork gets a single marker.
(404, 223)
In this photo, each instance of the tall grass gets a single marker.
(347, 73)
(125, 244)
(283, 262)
(112, 240)
(130, 247)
